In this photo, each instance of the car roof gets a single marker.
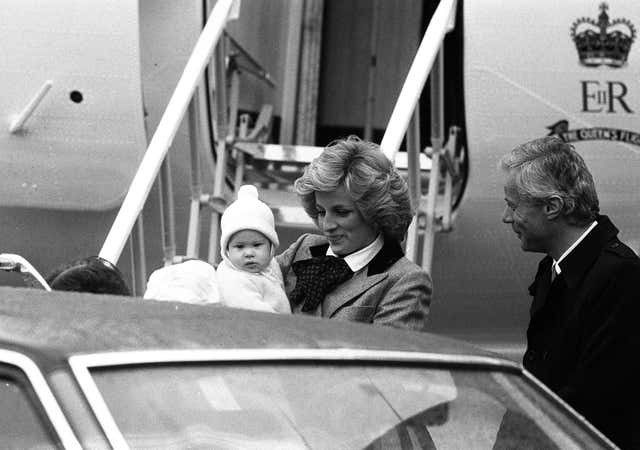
(52, 326)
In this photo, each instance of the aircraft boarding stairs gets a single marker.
(245, 156)
(240, 153)
(273, 168)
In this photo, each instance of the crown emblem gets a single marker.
(603, 41)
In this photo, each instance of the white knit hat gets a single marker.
(247, 213)
(192, 281)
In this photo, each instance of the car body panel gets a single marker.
(72, 337)
(52, 326)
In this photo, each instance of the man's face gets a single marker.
(528, 220)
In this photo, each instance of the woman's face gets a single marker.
(342, 223)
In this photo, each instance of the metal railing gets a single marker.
(405, 119)
(165, 132)
(427, 62)
(441, 23)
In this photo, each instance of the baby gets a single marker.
(248, 276)
(192, 281)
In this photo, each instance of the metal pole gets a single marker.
(221, 147)
(437, 101)
(410, 94)
(167, 212)
(437, 136)
(415, 191)
(193, 234)
(138, 259)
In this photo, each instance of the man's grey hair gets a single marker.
(549, 167)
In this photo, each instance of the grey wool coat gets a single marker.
(390, 290)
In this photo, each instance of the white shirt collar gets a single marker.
(556, 264)
(357, 260)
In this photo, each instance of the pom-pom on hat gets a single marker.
(247, 213)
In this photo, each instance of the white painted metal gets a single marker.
(420, 67)
(44, 394)
(415, 184)
(304, 154)
(437, 138)
(11, 262)
(98, 405)
(193, 234)
(222, 132)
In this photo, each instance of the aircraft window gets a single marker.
(76, 96)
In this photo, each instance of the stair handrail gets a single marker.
(165, 132)
(442, 21)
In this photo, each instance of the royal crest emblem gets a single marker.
(603, 41)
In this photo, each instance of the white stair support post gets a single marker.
(138, 259)
(415, 191)
(167, 212)
(193, 234)
(221, 148)
(437, 135)
(430, 213)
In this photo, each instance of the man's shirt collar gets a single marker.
(556, 264)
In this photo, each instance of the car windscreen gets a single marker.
(332, 406)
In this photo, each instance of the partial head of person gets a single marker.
(353, 194)
(92, 274)
(248, 235)
(548, 190)
(192, 281)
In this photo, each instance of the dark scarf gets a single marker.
(316, 277)
(322, 273)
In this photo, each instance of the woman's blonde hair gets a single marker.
(379, 192)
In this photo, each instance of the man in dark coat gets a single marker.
(583, 335)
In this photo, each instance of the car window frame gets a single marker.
(44, 397)
(545, 391)
(81, 366)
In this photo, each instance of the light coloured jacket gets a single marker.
(258, 291)
(390, 290)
